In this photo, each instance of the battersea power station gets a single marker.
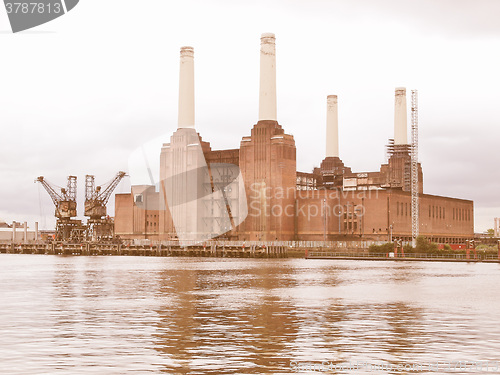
(255, 193)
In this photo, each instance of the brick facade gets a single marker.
(331, 203)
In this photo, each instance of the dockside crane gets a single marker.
(67, 228)
(100, 226)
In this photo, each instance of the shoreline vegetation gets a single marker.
(424, 246)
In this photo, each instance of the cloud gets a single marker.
(81, 99)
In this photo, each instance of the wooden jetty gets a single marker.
(161, 250)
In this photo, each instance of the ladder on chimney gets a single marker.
(414, 168)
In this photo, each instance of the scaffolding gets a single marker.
(220, 202)
(414, 168)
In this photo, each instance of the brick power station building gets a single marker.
(330, 203)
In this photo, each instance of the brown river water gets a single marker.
(147, 315)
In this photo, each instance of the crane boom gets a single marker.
(96, 199)
(99, 226)
(104, 196)
(56, 198)
(65, 202)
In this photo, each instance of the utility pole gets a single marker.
(324, 220)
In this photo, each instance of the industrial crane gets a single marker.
(67, 228)
(415, 229)
(100, 226)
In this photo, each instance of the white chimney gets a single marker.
(25, 226)
(400, 124)
(267, 94)
(332, 127)
(186, 88)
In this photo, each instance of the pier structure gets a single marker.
(167, 249)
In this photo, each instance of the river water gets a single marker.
(146, 315)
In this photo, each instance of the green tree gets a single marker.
(424, 246)
(381, 249)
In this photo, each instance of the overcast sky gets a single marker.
(78, 95)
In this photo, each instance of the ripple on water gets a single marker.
(115, 315)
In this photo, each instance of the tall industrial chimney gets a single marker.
(332, 127)
(186, 88)
(14, 232)
(267, 94)
(400, 124)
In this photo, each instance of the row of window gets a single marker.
(151, 224)
(462, 214)
(437, 212)
(402, 209)
(350, 226)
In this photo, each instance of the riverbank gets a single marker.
(411, 257)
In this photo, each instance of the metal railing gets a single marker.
(290, 244)
(330, 254)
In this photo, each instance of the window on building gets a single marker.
(397, 208)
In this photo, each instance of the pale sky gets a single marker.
(79, 94)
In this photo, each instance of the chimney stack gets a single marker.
(267, 94)
(332, 127)
(400, 120)
(25, 226)
(186, 88)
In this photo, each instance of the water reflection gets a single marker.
(215, 326)
(117, 315)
